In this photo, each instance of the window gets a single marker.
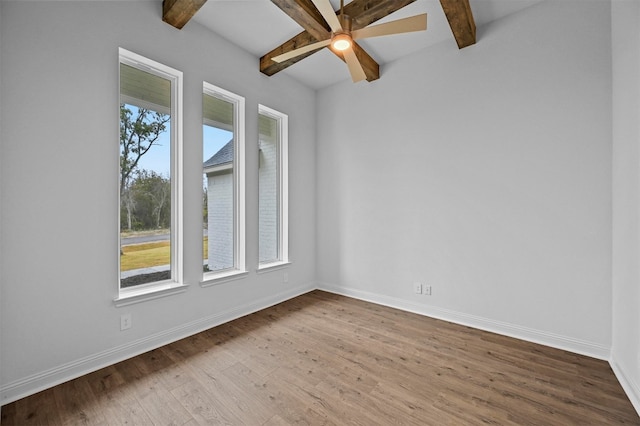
(149, 176)
(223, 183)
(273, 226)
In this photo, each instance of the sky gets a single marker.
(157, 158)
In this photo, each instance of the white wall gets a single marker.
(59, 165)
(485, 173)
(626, 196)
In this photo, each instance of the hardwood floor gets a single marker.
(327, 359)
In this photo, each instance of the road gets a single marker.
(149, 238)
(144, 239)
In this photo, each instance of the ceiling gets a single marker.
(258, 26)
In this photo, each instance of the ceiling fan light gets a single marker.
(341, 42)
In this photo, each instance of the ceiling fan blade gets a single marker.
(326, 10)
(296, 52)
(355, 69)
(405, 25)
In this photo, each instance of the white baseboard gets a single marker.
(62, 373)
(44, 380)
(631, 388)
(593, 350)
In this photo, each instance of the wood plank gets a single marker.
(105, 379)
(307, 16)
(326, 359)
(163, 368)
(162, 406)
(276, 421)
(120, 406)
(460, 17)
(237, 399)
(270, 67)
(76, 403)
(366, 12)
(178, 12)
(290, 405)
(369, 65)
(39, 409)
(203, 406)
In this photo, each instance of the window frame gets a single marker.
(239, 202)
(176, 283)
(282, 185)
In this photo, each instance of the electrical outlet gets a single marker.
(125, 322)
(285, 277)
(417, 287)
(427, 290)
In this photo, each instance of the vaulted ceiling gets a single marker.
(269, 28)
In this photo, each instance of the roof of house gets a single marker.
(223, 156)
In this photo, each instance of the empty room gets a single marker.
(274, 212)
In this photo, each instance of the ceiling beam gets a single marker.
(308, 17)
(461, 21)
(178, 12)
(369, 65)
(270, 67)
(366, 12)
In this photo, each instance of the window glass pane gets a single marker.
(218, 183)
(145, 177)
(268, 176)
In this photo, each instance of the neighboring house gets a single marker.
(267, 192)
(219, 173)
(219, 177)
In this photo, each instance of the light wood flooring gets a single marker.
(327, 359)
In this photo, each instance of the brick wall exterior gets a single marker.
(268, 201)
(220, 220)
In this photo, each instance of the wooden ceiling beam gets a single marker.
(369, 65)
(307, 16)
(178, 12)
(270, 67)
(461, 21)
(366, 12)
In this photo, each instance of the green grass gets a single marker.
(147, 255)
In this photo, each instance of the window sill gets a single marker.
(266, 267)
(222, 277)
(129, 296)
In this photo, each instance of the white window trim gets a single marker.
(239, 244)
(283, 187)
(271, 266)
(176, 283)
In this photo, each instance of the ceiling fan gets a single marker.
(342, 36)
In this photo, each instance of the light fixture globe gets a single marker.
(341, 42)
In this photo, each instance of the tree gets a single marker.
(152, 197)
(138, 134)
(127, 206)
(205, 206)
